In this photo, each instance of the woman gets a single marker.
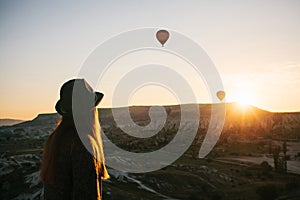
(73, 161)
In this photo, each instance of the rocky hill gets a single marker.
(9, 122)
(240, 124)
(22, 144)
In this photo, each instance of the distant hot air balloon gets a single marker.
(221, 94)
(162, 36)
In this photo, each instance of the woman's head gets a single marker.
(77, 95)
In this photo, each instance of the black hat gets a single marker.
(64, 104)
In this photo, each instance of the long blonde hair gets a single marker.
(95, 144)
(91, 139)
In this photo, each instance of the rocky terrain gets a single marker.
(246, 133)
(10, 122)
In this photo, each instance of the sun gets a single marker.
(245, 99)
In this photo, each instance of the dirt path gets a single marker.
(293, 166)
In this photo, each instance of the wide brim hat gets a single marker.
(84, 91)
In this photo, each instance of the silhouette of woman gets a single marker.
(73, 160)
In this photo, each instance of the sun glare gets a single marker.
(245, 99)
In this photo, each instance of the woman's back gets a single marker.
(75, 171)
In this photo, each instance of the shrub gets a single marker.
(265, 167)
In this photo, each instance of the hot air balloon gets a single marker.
(162, 36)
(221, 94)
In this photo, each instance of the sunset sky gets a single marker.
(255, 46)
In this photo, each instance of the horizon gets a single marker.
(253, 45)
(243, 108)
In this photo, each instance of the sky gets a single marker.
(255, 46)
